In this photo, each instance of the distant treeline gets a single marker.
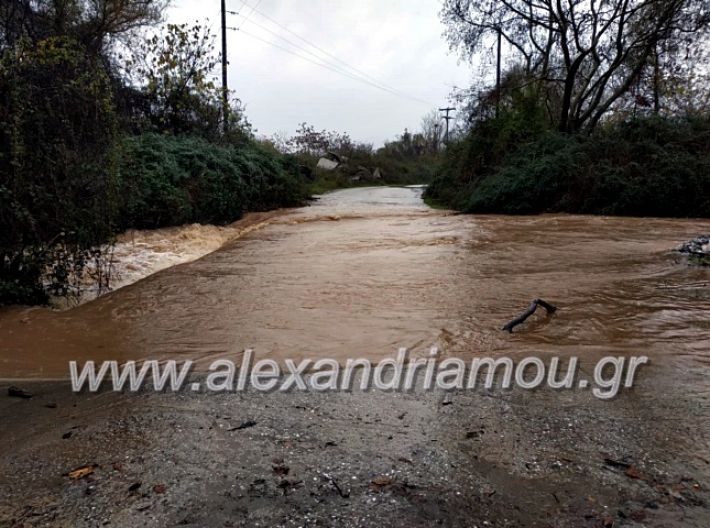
(601, 109)
(408, 159)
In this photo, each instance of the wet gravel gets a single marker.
(467, 458)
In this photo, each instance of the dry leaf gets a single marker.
(81, 472)
(380, 482)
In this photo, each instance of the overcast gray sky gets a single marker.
(396, 42)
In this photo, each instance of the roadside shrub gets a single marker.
(170, 180)
(645, 167)
(57, 162)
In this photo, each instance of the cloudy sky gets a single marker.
(395, 43)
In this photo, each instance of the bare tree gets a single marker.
(431, 130)
(586, 53)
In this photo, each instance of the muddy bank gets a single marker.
(499, 459)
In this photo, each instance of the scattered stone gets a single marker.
(635, 473)
(343, 493)
(279, 468)
(617, 463)
(489, 492)
(381, 482)
(287, 484)
(607, 521)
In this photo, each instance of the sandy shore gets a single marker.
(466, 458)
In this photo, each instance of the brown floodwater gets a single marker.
(363, 272)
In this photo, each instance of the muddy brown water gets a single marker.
(363, 272)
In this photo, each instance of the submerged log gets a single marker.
(527, 313)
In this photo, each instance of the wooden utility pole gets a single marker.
(225, 89)
(498, 72)
(446, 117)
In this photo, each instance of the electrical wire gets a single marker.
(246, 17)
(348, 70)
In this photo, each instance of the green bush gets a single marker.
(170, 180)
(645, 167)
(162, 180)
(57, 158)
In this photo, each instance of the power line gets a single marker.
(319, 48)
(357, 72)
(321, 64)
(328, 66)
(297, 46)
(322, 60)
(246, 17)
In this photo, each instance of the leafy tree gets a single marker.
(57, 138)
(173, 70)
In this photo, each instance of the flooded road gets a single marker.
(363, 272)
(359, 274)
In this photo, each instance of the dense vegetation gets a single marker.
(642, 167)
(106, 124)
(602, 109)
(168, 180)
(109, 121)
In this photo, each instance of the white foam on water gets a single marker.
(139, 253)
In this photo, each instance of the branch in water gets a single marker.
(527, 313)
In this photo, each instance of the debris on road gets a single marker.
(81, 471)
(16, 392)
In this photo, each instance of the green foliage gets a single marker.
(646, 167)
(482, 150)
(76, 162)
(409, 159)
(173, 70)
(170, 180)
(57, 177)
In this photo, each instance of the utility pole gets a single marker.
(446, 117)
(225, 90)
(500, 34)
